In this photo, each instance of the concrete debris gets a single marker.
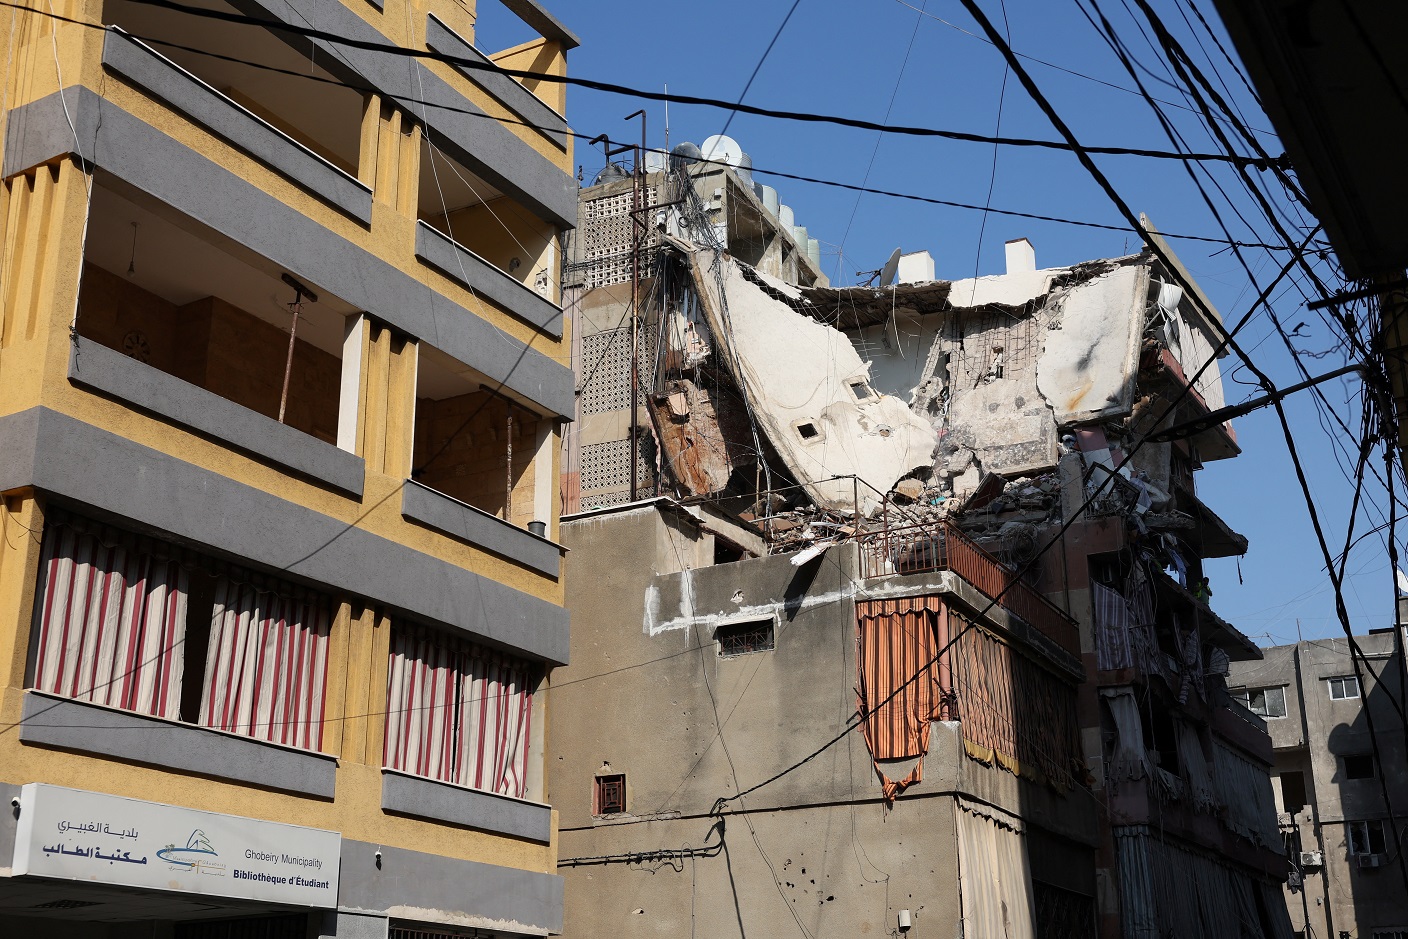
(808, 389)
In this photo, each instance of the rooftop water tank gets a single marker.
(610, 174)
(683, 154)
(799, 235)
(814, 252)
(745, 169)
(770, 200)
(784, 217)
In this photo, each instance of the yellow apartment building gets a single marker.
(282, 375)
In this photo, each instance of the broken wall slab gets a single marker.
(1088, 369)
(810, 392)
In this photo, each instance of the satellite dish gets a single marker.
(655, 161)
(891, 268)
(722, 149)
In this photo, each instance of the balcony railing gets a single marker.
(918, 549)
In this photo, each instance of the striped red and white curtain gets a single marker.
(266, 667)
(458, 712)
(110, 619)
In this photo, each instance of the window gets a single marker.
(610, 796)
(1267, 702)
(134, 623)
(1360, 766)
(1344, 688)
(860, 390)
(458, 712)
(1366, 837)
(1292, 791)
(808, 431)
(743, 638)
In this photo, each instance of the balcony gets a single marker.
(485, 240)
(918, 549)
(286, 111)
(175, 323)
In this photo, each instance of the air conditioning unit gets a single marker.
(1370, 860)
(1311, 859)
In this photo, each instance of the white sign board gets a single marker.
(89, 836)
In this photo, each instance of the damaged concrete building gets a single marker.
(895, 633)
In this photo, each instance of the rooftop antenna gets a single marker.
(295, 308)
(886, 274)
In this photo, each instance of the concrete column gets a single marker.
(20, 525)
(340, 925)
(349, 398)
(545, 474)
(387, 401)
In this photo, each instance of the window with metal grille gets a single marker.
(432, 932)
(743, 638)
(288, 926)
(610, 795)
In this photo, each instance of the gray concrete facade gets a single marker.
(414, 885)
(1318, 738)
(687, 726)
(65, 724)
(78, 462)
(153, 163)
(405, 794)
(94, 366)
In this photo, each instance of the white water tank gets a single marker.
(770, 200)
(917, 267)
(784, 217)
(814, 252)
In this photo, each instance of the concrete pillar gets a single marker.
(387, 400)
(349, 398)
(340, 925)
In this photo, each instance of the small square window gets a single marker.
(1359, 767)
(861, 390)
(743, 638)
(610, 797)
(1342, 689)
(808, 431)
(1366, 837)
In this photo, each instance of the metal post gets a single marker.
(296, 307)
(637, 186)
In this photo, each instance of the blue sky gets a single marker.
(865, 57)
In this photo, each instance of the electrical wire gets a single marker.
(639, 93)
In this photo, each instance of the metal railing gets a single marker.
(941, 546)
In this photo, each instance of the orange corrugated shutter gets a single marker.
(904, 682)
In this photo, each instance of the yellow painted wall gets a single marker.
(42, 215)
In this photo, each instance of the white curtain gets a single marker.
(1130, 760)
(110, 619)
(994, 876)
(458, 712)
(1195, 765)
(266, 668)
